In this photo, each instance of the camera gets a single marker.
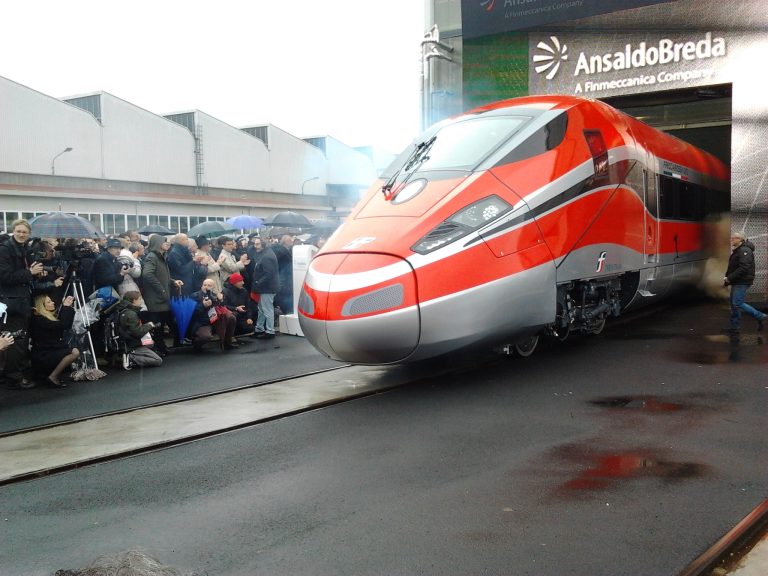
(20, 334)
(38, 250)
(125, 263)
(71, 252)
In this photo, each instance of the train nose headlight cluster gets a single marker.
(463, 222)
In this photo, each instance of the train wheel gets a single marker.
(599, 324)
(526, 347)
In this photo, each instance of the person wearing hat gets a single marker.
(212, 267)
(739, 276)
(107, 270)
(238, 301)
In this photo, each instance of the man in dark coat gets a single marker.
(158, 286)
(182, 265)
(107, 271)
(17, 275)
(266, 283)
(740, 276)
(284, 254)
(238, 301)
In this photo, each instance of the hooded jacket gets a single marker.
(129, 325)
(156, 277)
(741, 265)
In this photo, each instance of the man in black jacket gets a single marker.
(740, 276)
(107, 271)
(17, 276)
(183, 266)
(266, 283)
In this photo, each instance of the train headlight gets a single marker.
(463, 222)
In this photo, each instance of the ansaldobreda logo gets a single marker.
(549, 56)
(488, 4)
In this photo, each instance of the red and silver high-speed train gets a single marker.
(543, 214)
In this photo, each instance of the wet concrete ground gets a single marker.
(183, 374)
(627, 453)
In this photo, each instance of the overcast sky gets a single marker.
(344, 68)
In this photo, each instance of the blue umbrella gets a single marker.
(182, 308)
(245, 222)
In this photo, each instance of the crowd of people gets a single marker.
(233, 286)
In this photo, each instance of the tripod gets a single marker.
(75, 285)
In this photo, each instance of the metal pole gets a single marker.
(308, 180)
(53, 162)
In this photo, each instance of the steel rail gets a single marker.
(47, 425)
(743, 535)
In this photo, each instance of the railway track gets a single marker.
(56, 447)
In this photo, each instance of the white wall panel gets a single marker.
(34, 128)
(233, 159)
(295, 164)
(140, 146)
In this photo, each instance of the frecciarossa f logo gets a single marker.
(601, 261)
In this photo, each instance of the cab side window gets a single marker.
(544, 139)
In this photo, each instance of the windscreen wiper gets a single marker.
(417, 157)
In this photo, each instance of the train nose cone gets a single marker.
(361, 308)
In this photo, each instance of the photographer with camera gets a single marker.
(51, 354)
(76, 257)
(211, 315)
(128, 261)
(6, 341)
(107, 272)
(107, 269)
(18, 273)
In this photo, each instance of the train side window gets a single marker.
(681, 200)
(651, 202)
(691, 202)
(635, 179)
(716, 202)
(543, 140)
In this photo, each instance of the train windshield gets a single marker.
(457, 145)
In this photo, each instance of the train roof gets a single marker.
(656, 141)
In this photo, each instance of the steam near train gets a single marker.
(532, 216)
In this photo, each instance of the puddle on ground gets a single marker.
(724, 349)
(640, 403)
(602, 470)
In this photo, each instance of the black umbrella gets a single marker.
(211, 228)
(288, 220)
(63, 225)
(325, 225)
(155, 229)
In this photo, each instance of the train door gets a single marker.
(651, 216)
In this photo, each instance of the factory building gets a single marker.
(123, 167)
